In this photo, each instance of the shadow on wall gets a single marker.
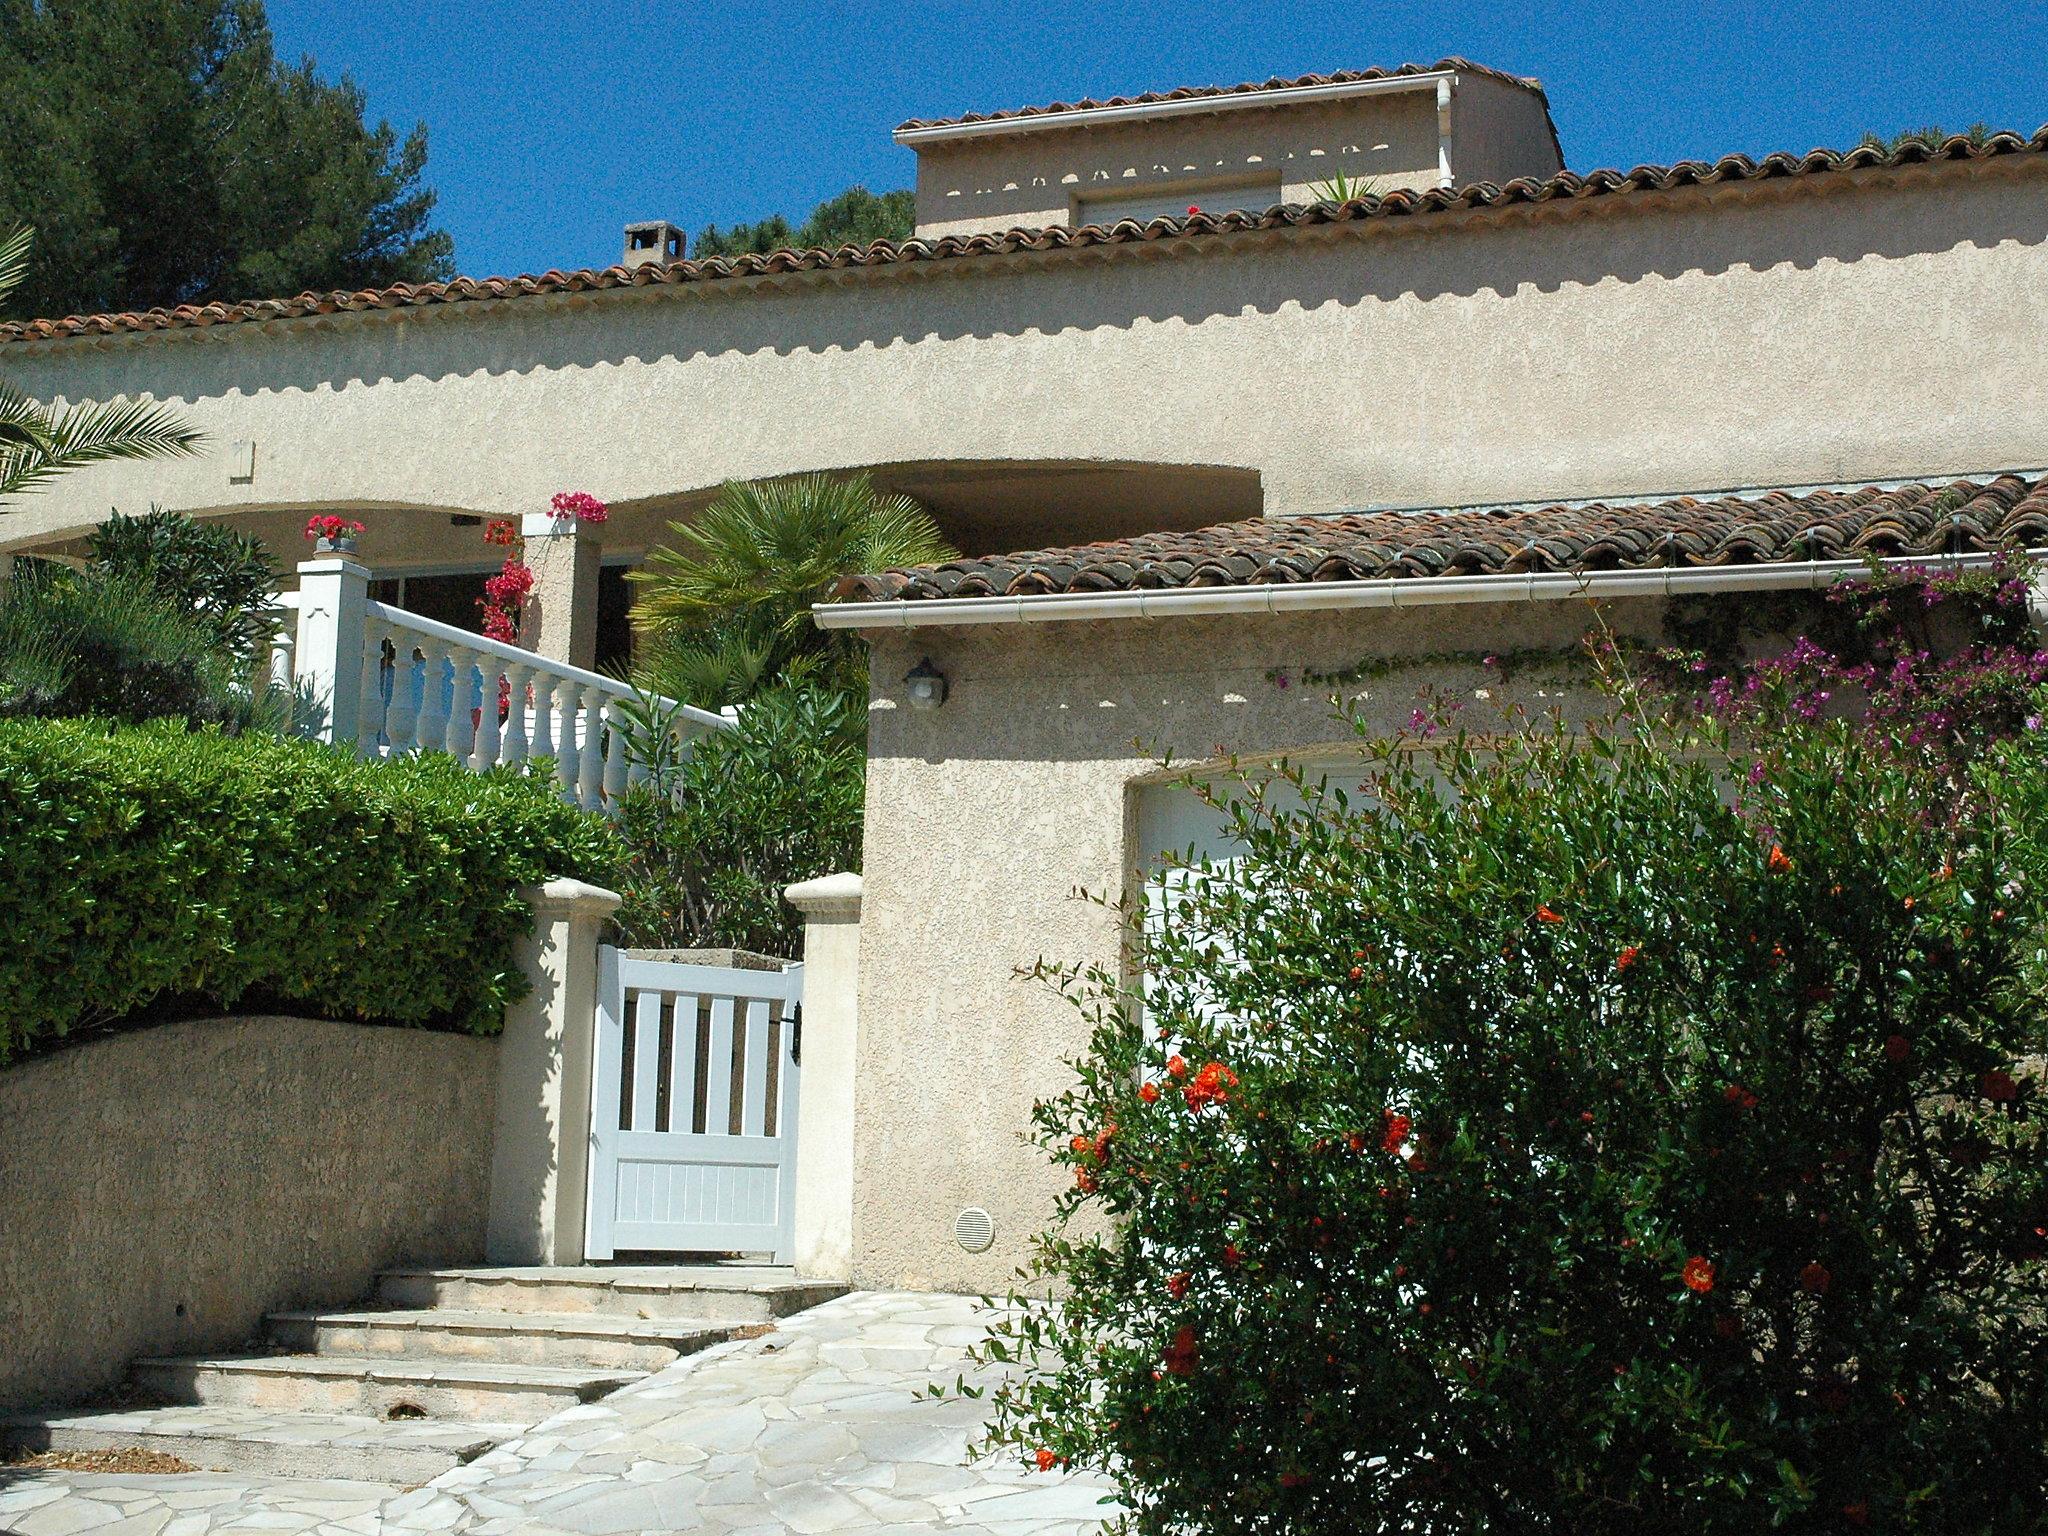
(166, 1188)
(1698, 232)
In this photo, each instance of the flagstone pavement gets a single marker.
(816, 1429)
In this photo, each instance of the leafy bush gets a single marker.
(223, 580)
(153, 862)
(714, 836)
(100, 643)
(1556, 1139)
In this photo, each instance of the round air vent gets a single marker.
(974, 1229)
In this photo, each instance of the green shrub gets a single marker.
(95, 643)
(1558, 1141)
(152, 862)
(222, 580)
(715, 836)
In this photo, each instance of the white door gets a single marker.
(693, 1108)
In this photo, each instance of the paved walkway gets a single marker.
(812, 1429)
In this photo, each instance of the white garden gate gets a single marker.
(693, 1108)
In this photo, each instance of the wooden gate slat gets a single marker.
(646, 1058)
(754, 1103)
(718, 1070)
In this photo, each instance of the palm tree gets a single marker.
(727, 609)
(37, 442)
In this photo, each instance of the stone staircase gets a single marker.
(440, 1367)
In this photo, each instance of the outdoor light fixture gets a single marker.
(927, 685)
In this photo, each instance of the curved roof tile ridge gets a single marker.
(1210, 92)
(1565, 186)
(1984, 515)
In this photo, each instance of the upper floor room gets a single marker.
(1316, 138)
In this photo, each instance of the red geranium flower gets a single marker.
(1698, 1275)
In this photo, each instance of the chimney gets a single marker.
(654, 242)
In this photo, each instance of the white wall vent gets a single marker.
(974, 1229)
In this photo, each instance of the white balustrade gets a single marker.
(411, 684)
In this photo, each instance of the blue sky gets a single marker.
(551, 127)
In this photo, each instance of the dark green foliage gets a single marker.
(98, 643)
(222, 579)
(164, 155)
(854, 217)
(715, 837)
(1508, 1041)
(154, 862)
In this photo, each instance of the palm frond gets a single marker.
(36, 443)
(14, 249)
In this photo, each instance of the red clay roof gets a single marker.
(1968, 515)
(1201, 92)
(1566, 189)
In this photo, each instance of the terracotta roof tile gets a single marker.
(1565, 189)
(1967, 515)
(1202, 92)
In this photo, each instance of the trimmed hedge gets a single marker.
(149, 862)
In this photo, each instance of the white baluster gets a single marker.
(568, 734)
(485, 753)
(370, 713)
(615, 756)
(543, 714)
(400, 716)
(590, 766)
(461, 687)
(434, 706)
(513, 749)
(281, 647)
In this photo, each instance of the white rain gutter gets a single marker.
(1383, 592)
(1086, 117)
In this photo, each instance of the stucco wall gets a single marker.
(161, 1190)
(1867, 325)
(989, 817)
(1041, 177)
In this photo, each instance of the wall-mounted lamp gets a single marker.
(927, 685)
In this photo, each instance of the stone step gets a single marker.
(446, 1389)
(226, 1439)
(588, 1339)
(697, 1293)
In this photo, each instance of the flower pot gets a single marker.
(344, 545)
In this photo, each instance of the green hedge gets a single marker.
(151, 862)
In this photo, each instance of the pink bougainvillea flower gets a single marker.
(578, 506)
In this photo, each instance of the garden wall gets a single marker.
(161, 1190)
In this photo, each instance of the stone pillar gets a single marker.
(540, 1154)
(825, 1106)
(328, 653)
(559, 620)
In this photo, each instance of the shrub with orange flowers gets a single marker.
(1601, 1132)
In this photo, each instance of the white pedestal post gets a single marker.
(329, 650)
(559, 620)
(825, 1103)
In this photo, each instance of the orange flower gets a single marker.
(1777, 863)
(1698, 1275)
(1627, 957)
(1176, 1067)
(1084, 1181)
(1047, 1461)
(1545, 915)
(1149, 1092)
(1177, 1285)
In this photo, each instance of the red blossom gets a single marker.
(1046, 1460)
(578, 506)
(1814, 1279)
(1545, 915)
(1776, 862)
(1897, 1047)
(1231, 1257)
(1998, 1087)
(325, 525)
(1149, 1092)
(1698, 1275)
(1182, 1354)
(1627, 957)
(1176, 1067)
(1397, 1127)
(1739, 1096)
